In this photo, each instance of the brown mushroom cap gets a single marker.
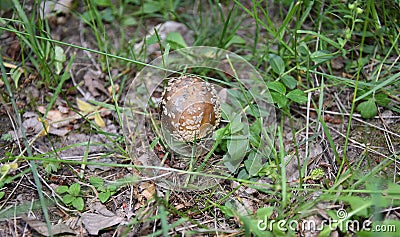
(189, 108)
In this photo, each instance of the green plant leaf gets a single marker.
(6, 5)
(228, 209)
(356, 202)
(149, 7)
(16, 75)
(51, 167)
(276, 86)
(264, 212)
(393, 189)
(236, 123)
(68, 198)
(6, 137)
(107, 15)
(382, 99)
(367, 109)
(289, 82)
(237, 148)
(151, 40)
(112, 188)
(104, 196)
(235, 40)
(255, 131)
(280, 99)
(243, 174)
(321, 56)
(102, 3)
(61, 189)
(78, 203)
(2, 194)
(277, 64)
(253, 164)
(176, 40)
(303, 50)
(60, 58)
(96, 181)
(252, 227)
(128, 21)
(297, 96)
(74, 189)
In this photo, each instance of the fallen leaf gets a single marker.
(96, 222)
(59, 122)
(88, 108)
(41, 227)
(59, 131)
(110, 89)
(101, 209)
(54, 115)
(63, 109)
(32, 126)
(99, 121)
(149, 190)
(46, 127)
(84, 106)
(93, 83)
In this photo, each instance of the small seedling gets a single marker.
(281, 98)
(72, 195)
(6, 137)
(51, 166)
(105, 192)
(278, 89)
(368, 107)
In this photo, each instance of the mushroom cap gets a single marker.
(189, 108)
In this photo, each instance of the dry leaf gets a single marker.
(99, 121)
(32, 126)
(96, 222)
(101, 209)
(58, 121)
(41, 227)
(63, 109)
(85, 107)
(93, 83)
(149, 190)
(110, 89)
(88, 108)
(46, 127)
(54, 115)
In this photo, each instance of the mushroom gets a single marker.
(190, 108)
